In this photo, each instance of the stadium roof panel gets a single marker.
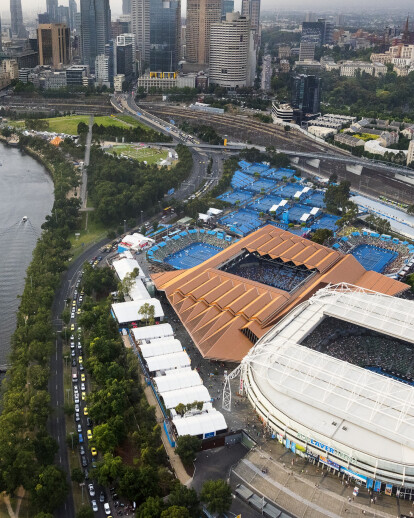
(215, 306)
(329, 396)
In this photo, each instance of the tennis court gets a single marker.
(373, 257)
(192, 255)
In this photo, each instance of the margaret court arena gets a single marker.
(333, 382)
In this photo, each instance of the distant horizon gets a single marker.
(31, 8)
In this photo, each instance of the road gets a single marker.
(57, 423)
(201, 156)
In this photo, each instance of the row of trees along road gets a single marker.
(126, 434)
(26, 449)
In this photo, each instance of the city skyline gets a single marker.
(31, 8)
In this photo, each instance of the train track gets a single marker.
(247, 126)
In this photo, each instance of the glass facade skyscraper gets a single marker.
(95, 29)
(165, 31)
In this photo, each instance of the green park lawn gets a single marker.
(69, 124)
(150, 155)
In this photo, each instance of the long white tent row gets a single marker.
(188, 395)
(204, 425)
(168, 361)
(177, 379)
(127, 312)
(160, 347)
(152, 332)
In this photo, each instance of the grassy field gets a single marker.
(150, 155)
(96, 231)
(70, 123)
(130, 120)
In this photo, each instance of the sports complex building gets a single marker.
(231, 300)
(334, 382)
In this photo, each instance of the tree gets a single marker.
(321, 235)
(182, 496)
(49, 489)
(151, 508)
(187, 447)
(148, 312)
(77, 475)
(109, 469)
(43, 515)
(216, 494)
(337, 197)
(175, 511)
(85, 512)
(410, 209)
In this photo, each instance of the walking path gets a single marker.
(84, 185)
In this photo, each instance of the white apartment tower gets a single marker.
(232, 52)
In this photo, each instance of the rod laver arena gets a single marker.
(334, 381)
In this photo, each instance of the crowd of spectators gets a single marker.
(363, 347)
(277, 275)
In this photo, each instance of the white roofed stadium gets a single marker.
(334, 381)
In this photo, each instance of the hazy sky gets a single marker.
(35, 6)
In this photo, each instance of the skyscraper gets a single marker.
(319, 32)
(232, 55)
(201, 14)
(126, 6)
(16, 17)
(306, 93)
(227, 7)
(52, 10)
(165, 29)
(140, 26)
(95, 29)
(73, 9)
(54, 44)
(251, 8)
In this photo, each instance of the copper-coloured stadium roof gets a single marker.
(225, 314)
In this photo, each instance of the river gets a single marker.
(26, 189)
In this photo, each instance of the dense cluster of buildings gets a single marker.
(148, 41)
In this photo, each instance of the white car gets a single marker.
(83, 388)
(94, 506)
(107, 509)
(91, 489)
(77, 407)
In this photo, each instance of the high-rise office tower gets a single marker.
(126, 6)
(165, 29)
(251, 8)
(227, 7)
(95, 29)
(140, 26)
(306, 51)
(124, 55)
(232, 55)
(1, 43)
(54, 44)
(52, 10)
(201, 14)
(73, 9)
(306, 93)
(63, 15)
(16, 18)
(319, 32)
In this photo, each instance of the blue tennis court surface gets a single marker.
(192, 255)
(373, 257)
